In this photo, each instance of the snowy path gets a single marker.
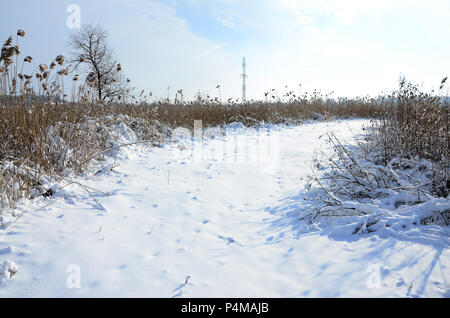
(211, 225)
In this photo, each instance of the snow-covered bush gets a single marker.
(29, 164)
(351, 181)
(395, 177)
(414, 125)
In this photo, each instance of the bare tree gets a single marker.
(91, 47)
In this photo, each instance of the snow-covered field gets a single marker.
(176, 226)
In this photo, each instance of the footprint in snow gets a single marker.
(440, 287)
(401, 282)
(229, 240)
(7, 250)
(69, 200)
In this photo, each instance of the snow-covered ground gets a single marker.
(177, 226)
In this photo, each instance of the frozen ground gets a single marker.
(175, 227)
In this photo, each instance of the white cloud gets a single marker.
(345, 12)
(238, 14)
(292, 45)
(157, 50)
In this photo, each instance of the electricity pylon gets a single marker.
(244, 77)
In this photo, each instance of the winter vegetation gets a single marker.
(66, 122)
(48, 132)
(397, 173)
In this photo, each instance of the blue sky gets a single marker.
(346, 46)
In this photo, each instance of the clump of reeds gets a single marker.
(403, 155)
(414, 125)
(46, 131)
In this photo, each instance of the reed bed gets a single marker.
(399, 170)
(51, 121)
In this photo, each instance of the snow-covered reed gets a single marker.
(395, 175)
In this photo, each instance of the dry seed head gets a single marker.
(39, 76)
(8, 42)
(21, 33)
(119, 67)
(43, 67)
(45, 75)
(82, 58)
(60, 59)
(7, 61)
(91, 77)
(28, 59)
(63, 72)
(8, 52)
(52, 65)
